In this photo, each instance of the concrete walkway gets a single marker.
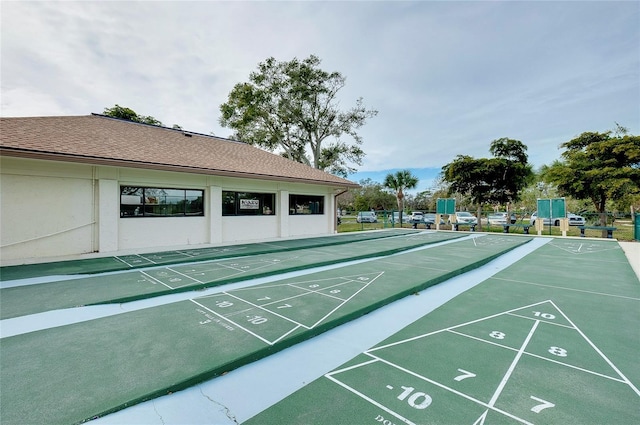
(632, 251)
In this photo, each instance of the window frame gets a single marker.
(256, 203)
(306, 202)
(151, 199)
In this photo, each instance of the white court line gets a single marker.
(129, 264)
(536, 355)
(512, 367)
(370, 400)
(570, 251)
(157, 280)
(298, 324)
(145, 258)
(456, 392)
(506, 347)
(265, 310)
(599, 352)
(544, 321)
(577, 368)
(348, 299)
(231, 321)
(338, 346)
(453, 327)
(622, 379)
(185, 275)
(567, 289)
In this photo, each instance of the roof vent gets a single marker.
(187, 134)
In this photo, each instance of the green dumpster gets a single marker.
(636, 227)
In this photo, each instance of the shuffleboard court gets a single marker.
(551, 339)
(154, 281)
(128, 262)
(73, 373)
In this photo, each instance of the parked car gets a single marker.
(396, 217)
(367, 217)
(464, 217)
(430, 218)
(500, 218)
(574, 220)
(417, 216)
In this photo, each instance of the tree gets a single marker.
(292, 107)
(496, 180)
(399, 182)
(598, 167)
(125, 113)
(510, 170)
(371, 195)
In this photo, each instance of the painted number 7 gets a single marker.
(465, 374)
(543, 405)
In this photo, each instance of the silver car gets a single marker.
(574, 220)
(465, 217)
(500, 218)
(366, 217)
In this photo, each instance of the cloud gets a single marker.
(446, 77)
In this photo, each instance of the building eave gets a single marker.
(89, 160)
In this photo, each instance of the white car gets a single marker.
(417, 216)
(500, 218)
(574, 220)
(465, 217)
(366, 217)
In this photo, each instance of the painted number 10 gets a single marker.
(544, 315)
(417, 400)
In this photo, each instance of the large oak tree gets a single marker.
(293, 108)
(496, 180)
(598, 167)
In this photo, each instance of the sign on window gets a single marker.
(249, 204)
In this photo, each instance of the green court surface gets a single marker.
(73, 373)
(552, 339)
(144, 283)
(127, 262)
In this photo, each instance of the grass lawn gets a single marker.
(624, 232)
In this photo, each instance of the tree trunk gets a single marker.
(603, 215)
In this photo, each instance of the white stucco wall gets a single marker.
(161, 232)
(249, 228)
(50, 209)
(46, 209)
(307, 225)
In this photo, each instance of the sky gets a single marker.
(446, 77)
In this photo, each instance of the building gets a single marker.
(82, 184)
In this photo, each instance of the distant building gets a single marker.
(81, 184)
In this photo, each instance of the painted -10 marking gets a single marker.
(417, 400)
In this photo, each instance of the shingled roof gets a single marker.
(102, 140)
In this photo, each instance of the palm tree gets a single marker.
(399, 182)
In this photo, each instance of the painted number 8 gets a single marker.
(497, 335)
(557, 351)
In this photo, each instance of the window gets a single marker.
(157, 202)
(248, 203)
(306, 204)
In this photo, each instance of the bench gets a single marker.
(414, 223)
(607, 228)
(525, 227)
(472, 226)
